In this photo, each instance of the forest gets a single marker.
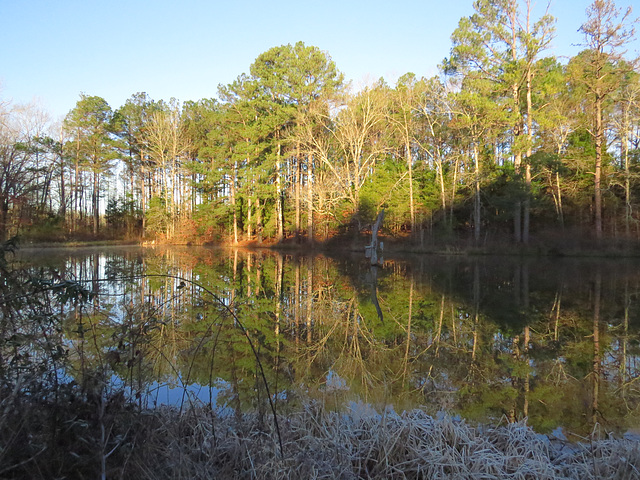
(506, 145)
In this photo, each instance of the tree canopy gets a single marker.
(506, 144)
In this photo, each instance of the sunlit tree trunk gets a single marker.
(279, 197)
(597, 179)
(96, 202)
(249, 219)
(233, 202)
(143, 197)
(61, 160)
(454, 185)
(258, 221)
(412, 208)
(76, 188)
(297, 193)
(310, 232)
(527, 168)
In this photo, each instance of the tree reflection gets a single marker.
(555, 342)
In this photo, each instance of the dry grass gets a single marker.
(73, 440)
(411, 445)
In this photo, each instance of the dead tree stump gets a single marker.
(375, 250)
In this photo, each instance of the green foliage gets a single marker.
(121, 214)
(48, 228)
(157, 217)
(296, 74)
(501, 192)
(212, 219)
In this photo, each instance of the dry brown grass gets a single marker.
(201, 443)
(411, 445)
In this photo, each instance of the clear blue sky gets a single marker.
(52, 50)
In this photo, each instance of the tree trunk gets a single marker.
(63, 197)
(624, 153)
(371, 251)
(526, 210)
(476, 207)
(443, 192)
(76, 185)
(560, 210)
(454, 184)
(412, 208)
(233, 204)
(527, 173)
(310, 200)
(96, 201)
(517, 128)
(599, 133)
(279, 199)
(258, 221)
(298, 177)
(4, 217)
(143, 198)
(249, 226)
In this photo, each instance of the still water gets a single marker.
(553, 340)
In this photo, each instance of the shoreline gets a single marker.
(394, 247)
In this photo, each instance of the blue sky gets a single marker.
(52, 50)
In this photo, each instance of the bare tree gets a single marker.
(167, 145)
(350, 143)
(20, 174)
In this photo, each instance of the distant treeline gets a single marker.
(506, 143)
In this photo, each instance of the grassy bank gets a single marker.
(200, 443)
(370, 445)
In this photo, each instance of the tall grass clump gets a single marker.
(350, 445)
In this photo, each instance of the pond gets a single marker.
(553, 340)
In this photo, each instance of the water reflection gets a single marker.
(491, 339)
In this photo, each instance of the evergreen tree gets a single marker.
(90, 126)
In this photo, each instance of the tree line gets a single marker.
(506, 142)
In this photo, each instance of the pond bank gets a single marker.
(393, 246)
(199, 443)
(368, 445)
